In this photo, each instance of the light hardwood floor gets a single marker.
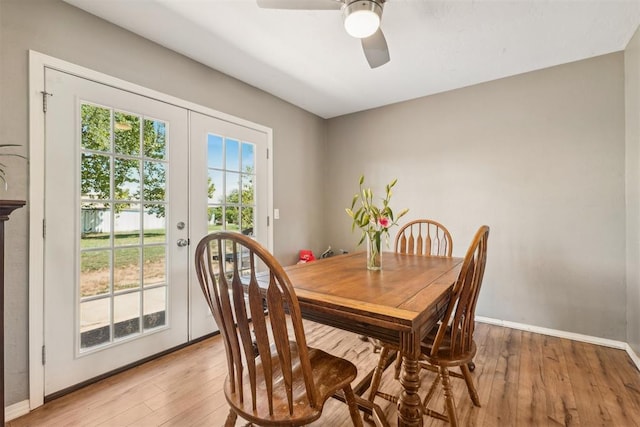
(523, 379)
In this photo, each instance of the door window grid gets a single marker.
(123, 248)
(231, 190)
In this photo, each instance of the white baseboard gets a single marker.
(563, 334)
(557, 333)
(634, 357)
(16, 410)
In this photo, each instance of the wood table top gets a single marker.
(400, 296)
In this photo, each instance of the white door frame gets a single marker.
(37, 64)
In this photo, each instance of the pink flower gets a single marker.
(384, 222)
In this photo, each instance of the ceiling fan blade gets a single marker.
(375, 49)
(301, 4)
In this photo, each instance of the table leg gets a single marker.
(409, 404)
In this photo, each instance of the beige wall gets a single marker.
(632, 98)
(538, 157)
(57, 29)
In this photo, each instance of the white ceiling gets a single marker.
(306, 57)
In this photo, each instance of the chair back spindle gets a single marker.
(424, 237)
(273, 378)
(459, 318)
(228, 291)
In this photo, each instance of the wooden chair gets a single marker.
(273, 378)
(452, 345)
(424, 237)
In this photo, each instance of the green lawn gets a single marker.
(98, 260)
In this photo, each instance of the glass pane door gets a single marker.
(229, 173)
(123, 244)
(231, 189)
(116, 188)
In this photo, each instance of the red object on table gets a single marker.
(306, 256)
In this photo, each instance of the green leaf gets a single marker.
(403, 213)
(358, 214)
(368, 215)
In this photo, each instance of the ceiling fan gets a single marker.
(361, 20)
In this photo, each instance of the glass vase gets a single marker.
(374, 256)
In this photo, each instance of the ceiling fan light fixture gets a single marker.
(362, 18)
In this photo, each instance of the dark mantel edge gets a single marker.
(8, 206)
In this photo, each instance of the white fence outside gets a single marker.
(99, 221)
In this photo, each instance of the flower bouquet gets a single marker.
(373, 221)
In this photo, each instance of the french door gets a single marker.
(229, 190)
(115, 196)
(131, 185)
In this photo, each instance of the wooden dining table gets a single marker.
(399, 304)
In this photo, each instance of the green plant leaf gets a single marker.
(353, 202)
(365, 220)
(367, 216)
(377, 240)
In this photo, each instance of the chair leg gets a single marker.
(473, 393)
(353, 406)
(398, 366)
(448, 397)
(431, 392)
(377, 373)
(231, 419)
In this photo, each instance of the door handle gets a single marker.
(182, 242)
